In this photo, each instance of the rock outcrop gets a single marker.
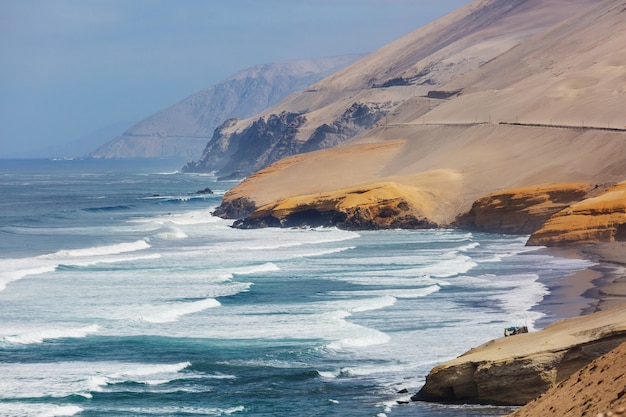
(517, 369)
(264, 141)
(597, 390)
(271, 138)
(597, 219)
(377, 206)
(522, 210)
(183, 130)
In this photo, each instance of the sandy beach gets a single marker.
(598, 288)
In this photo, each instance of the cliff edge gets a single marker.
(517, 369)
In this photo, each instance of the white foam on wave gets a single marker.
(359, 342)
(100, 250)
(469, 246)
(171, 232)
(324, 252)
(255, 269)
(18, 268)
(515, 295)
(193, 218)
(172, 312)
(64, 379)
(375, 304)
(38, 337)
(290, 238)
(360, 336)
(394, 293)
(454, 264)
(148, 374)
(7, 277)
(110, 260)
(38, 410)
(184, 409)
(228, 289)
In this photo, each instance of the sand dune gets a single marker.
(518, 121)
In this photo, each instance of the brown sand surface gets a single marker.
(429, 56)
(480, 158)
(597, 390)
(611, 289)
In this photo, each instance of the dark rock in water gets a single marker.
(403, 391)
(205, 191)
(236, 209)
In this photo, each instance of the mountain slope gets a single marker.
(352, 100)
(445, 153)
(183, 129)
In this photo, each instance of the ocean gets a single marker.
(121, 295)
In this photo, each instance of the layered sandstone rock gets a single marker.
(521, 210)
(517, 369)
(597, 219)
(378, 206)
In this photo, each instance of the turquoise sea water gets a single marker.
(120, 295)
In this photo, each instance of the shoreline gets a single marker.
(598, 287)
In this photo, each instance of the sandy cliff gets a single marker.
(597, 390)
(597, 219)
(522, 142)
(532, 139)
(517, 369)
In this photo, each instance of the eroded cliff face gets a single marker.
(521, 210)
(517, 369)
(263, 142)
(596, 219)
(377, 206)
(273, 137)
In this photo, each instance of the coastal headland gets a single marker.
(529, 139)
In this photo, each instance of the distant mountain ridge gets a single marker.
(183, 129)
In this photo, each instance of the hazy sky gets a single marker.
(70, 67)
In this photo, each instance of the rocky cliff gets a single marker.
(183, 129)
(517, 369)
(516, 164)
(597, 219)
(377, 206)
(521, 211)
(269, 139)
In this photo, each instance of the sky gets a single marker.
(72, 67)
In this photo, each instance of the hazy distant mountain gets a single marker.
(183, 129)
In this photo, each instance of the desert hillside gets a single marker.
(512, 124)
(406, 72)
(597, 390)
(182, 130)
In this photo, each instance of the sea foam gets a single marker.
(38, 337)
(172, 312)
(18, 268)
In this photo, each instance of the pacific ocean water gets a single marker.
(121, 295)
